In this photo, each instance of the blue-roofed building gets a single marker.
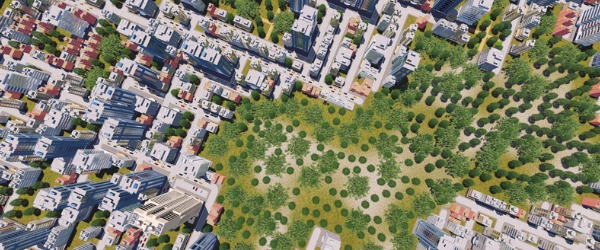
(207, 241)
(152, 45)
(15, 145)
(441, 8)
(595, 62)
(297, 5)
(20, 239)
(99, 111)
(50, 147)
(207, 59)
(15, 82)
(142, 74)
(67, 21)
(132, 188)
(196, 5)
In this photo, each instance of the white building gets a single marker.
(192, 167)
(490, 59)
(58, 237)
(473, 10)
(91, 160)
(162, 152)
(169, 116)
(166, 212)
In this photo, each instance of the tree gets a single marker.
(39, 185)
(275, 165)
(516, 194)
(98, 223)
(540, 50)
(13, 214)
(265, 224)
(405, 241)
(534, 87)
(14, 44)
(357, 220)
(328, 79)
(277, 196)
(358, 186)
(31, 211)
(255, 95)
(288, 62)
(194, 79)
(388, 169)
(7, 191)
(246, 9)
(167, 247)
(298, 147)
(561, 192)
(23, 191)
(423, 204)
(397, 216)
(281, 4)
(230, 18)
(447, 137)
(309, 177)
(163, 238)
(185, 124)
(152, 243)
(188, 116)
(457, 165)
(518, 71)
(92, 75)
(461, 117)
(283, 22)
(258, 20)
(270, 15)
(442, 191)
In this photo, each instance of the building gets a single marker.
(595, 61)
(142, 74)
(169, 116)
(90, 233)
(146, 8)
(88, 195)
(66, 20)
(243, 23)
(55, 198)
(530, 22)
(41, 223)
(151, 44)
(163, 152)
(490, 59)
(18, 83)
(99, 111)
(208, 59)
(166, 212)
(205, 242)
(367, 6)
(122, 130)
(132, 188)
(50, 147)
(297, 5)
(451, 31)
(406, 62)
(58, 237)
(441, 8)
(25, 177)
(91, 161)
(57, 119)
(107, 93)
(23, 239)
(588, 27)
(181, 241)
(323, 239)
(517, 49)
(376, 50)
(16, 145)
(432, 237)
(543, 2)
(473, 10)
(303, 28)
(196, 5)
(192, 167)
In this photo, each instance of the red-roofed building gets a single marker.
(174, 141)
(427, 6)
(50, 89)
(62, 5)
(591, 203)
(13, 95)
(596, 121)
(595, 91)
(85, 16)
(131, 236)
(67, 179)
(211, 10)
(215, 214)
(142, 167)
(36, 115)
(144, 119)
(590, 2)
(217, 179)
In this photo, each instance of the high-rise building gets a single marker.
(25, 177)
(131, 188)
(431, 236)
(50, 147)
(146, 8)
(23, 239)
(441, 8)
(151, 45)
(57, 119)
(490, 59)
(530, 22)
(297, 5)
(406, 62)
(192, 167)
(164, 33)
(89, 195)
(166, 211)
(71, 216)
(207, 59)
(303, 29)
(108, 93)
(122, 130)
(197, 5)
(15, 145)
(90, 233)
(91, 160)
(141, 73)
(517, 49)
(513, 12)
(451, 31)
(15, 82)
(99, 111)
(205, 242)
(376, 49)
(58, 237)
(543, 2)
(473, 10)
(366, 5)
(55, 198)
(588, 27)
(595, 62)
